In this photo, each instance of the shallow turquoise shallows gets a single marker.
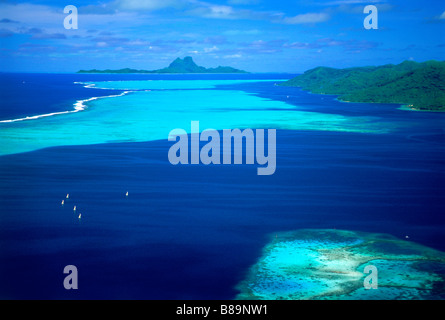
(149, 110)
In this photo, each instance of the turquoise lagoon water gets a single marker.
(149, 110)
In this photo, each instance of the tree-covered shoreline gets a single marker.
(420, 86)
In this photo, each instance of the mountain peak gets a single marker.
(185, 65)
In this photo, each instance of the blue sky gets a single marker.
(254, 35)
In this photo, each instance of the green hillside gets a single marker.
(186, 65)
(419, 85)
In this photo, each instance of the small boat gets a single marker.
(63, 202)
(126, 194)
(67, 195)
(74, 209)
(80, 215)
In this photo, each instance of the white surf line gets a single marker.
(88, 85)
(93, 85)
(78, 106)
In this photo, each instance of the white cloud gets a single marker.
(214, 12)
(51, 18)
(31, 13)
(138, 42)
(242, 32)
(221, 11)
(233, 56)
(342, 2)
(307, 18)
(148, 5)
(212, 49)
(241, 2)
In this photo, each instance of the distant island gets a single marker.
(418, 86)
(186, 65)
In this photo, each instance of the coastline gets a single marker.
(418, 85)
(410, 107)
(79, 105)
(402, 106)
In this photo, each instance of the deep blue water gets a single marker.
(30, 94)
(191, 232)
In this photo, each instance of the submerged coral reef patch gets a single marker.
(330, 264)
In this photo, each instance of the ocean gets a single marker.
(193, 231)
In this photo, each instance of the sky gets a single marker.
(253, 35)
